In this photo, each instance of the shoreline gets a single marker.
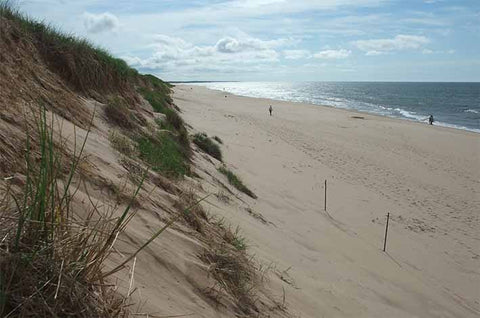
(425, 177)
(437, 124)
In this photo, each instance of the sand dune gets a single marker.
(331, 264)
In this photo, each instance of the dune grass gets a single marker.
(118, 114)
(121, 143)
(83, 65)
(207, 145)
(52, 260)
(236, 182)
(156, 92)
(164, 154)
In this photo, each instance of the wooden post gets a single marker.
(386, 231)
(325, 202)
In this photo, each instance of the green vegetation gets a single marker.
(207, 145)
(236, 182)
(81, 64)
(156, 92)
(164, 154)
(237, 240)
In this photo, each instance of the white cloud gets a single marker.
(399, 42)
(96, 23)
(296, 54)
(172, 53)
(373, 53)
(333, 54)
(428, 51)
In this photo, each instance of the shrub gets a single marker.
(163, 154)
(236, 182)
(207, 145)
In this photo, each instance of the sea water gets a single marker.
(454, 105)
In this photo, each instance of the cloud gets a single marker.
(428, 51)
(97, 23)
(228, 53)
(399, 42)
(296, 54)
(333, 54)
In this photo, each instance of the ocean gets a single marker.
(455, 105)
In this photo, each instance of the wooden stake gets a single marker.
(386, 231)
(325, 202)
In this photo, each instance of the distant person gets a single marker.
(270, 109)
(430, 119)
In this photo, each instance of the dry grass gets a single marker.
(83, 66)
(51, 258)
(235, 275)
(121, 143)
(235, 272)
(119, 115)
(195, 217)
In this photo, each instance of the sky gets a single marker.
(280, 40)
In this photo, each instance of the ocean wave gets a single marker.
(471, 111)
(411, 115)
(457, 127)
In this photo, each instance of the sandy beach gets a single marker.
(331, 263)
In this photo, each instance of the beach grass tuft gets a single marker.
(236, 182)
(164, 154)
(121, 143)
(118, 114)
(207, 145)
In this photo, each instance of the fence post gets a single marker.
(386, 232)
(325, 201)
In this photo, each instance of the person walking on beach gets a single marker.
(270, 109)
(430, 120)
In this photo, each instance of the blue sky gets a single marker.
(280, 40)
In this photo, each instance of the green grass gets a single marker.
(156, 92)
(164, 154)
(236, 182)
(238, 241)
(83, 65)
(207, 145)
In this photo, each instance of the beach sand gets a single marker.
(331, 264)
